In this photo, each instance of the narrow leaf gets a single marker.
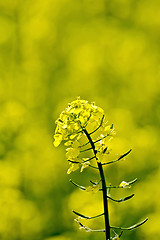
(80, 215)
(133, 181)
(98, 126)
(77, 185)
(101, 138)
(121, 199)
(131, 227)
(122, 156)
(125, 154)
(87, 217)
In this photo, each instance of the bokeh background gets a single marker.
(51, 52)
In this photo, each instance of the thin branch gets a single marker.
(122, 156)
(87, 217)
(89, 159)
(120, 234)
(75, 133)
(133, 181)
(90, 141)
(98, 126)
(86, 150)
(95, 141)
(121, 199)
(73, 161)
(89, 229)
(95, 183)
(129, 183)
(101, 138)
(117, 234)
(92, 166)
(84, 144)
(111, 187)
(77, 185)
(82, 161)
(131, 227)
(87, 120)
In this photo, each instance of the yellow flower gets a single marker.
(76, 164)
(68, 143)
(84, 165)
(74, 118)
(124, 184)
(72, 152)
(93, 188)
(73, 167)
(57, 139)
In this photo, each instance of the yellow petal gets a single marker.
(58, 139)
(124, 184)
(72, 152)
(73, 167)
(94, 188)
(84, 165)
(68, 143)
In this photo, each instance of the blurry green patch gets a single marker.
(52, 52)
(59, 238)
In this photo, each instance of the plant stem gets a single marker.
(105, 201)
(104, 188)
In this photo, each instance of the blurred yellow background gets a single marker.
(51, 52)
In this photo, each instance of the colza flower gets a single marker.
(72, 152)
(81, 125)
(80, 115)
(77, 164)
(74, 118)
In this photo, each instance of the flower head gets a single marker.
(74, 118)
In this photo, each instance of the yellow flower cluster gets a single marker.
(81, 116)
(79, 164)
(74, 118)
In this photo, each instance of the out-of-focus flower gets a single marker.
(73, 167)
(94, 188)
(77, 163)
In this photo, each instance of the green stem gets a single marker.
(104, 188)
(105, 201)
